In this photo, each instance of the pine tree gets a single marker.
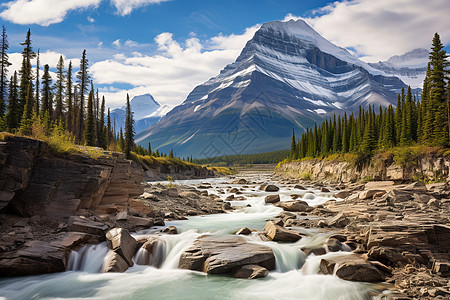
(149, 150)
(89, 128)
(171, 153)
(121, 139)
(47, 103)
(101, 126)
(59, 85)
(129, 129)
(83, 80)
(293, 145)
(439, 65)
(108, 129)
(13, 114)
(4, 64)
(69, 100)
(25, 72)
(25, 124)
(38, 87)
(369, 141)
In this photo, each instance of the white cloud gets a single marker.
(173, 72)
(382, 28)
(116, 43)
(47, 12)
(42, 12)
(125, 7)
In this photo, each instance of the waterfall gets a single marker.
(155, 257)
(88, 258)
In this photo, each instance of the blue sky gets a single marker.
(166, 48)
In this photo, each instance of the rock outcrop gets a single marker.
(217, 255)
(33, 181)
(427, 166)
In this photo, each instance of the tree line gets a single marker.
(410, 122)
(34, 105)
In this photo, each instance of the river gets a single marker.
(296, 276)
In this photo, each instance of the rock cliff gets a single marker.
(33, 181)
(432, 166)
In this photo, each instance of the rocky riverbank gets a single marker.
(404, 227)
(52, 204)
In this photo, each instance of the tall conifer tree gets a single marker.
(4, 64)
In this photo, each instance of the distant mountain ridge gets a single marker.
(287, 76)
(410, 67)
(146, 112)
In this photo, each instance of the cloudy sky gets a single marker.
(167, 47)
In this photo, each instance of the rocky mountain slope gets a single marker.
(287, 76)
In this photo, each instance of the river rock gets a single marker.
(340, 220)
(121, 242)
(114, 262)
(354, 268)
(140, 222)
(244, 231)
(227, 206)
(295, 206)
(316, 251)
(334, 245)
(324, 190)
(170, 230)
(36, 257)
(216, 255)
(272, 199)
(251, 272)
(417, 187)
(343, 194)
(271, 188)
(239, 181)
(367, 194)
(278, 233)
(191, 195)
(233, 190)
(79, 224)
(299, 187)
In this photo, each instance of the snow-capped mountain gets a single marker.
(287, 76)
(410, 67)
(146, 113)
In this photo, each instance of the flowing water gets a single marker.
(155, 274)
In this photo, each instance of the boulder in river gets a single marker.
(114, 262)
(278, 233)
(271, 188)
(296, 206)
(36, 257)
(217, 255)
(121, 242)
(299, 187)
(272, 199)
(244, 231)
(354, 268)
(251, 272)
(170, 230)
(239, 181)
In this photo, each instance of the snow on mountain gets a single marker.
(410, 67)
(287, 76)
(146, 112)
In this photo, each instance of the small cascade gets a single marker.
(152, 254)
(88, 259)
